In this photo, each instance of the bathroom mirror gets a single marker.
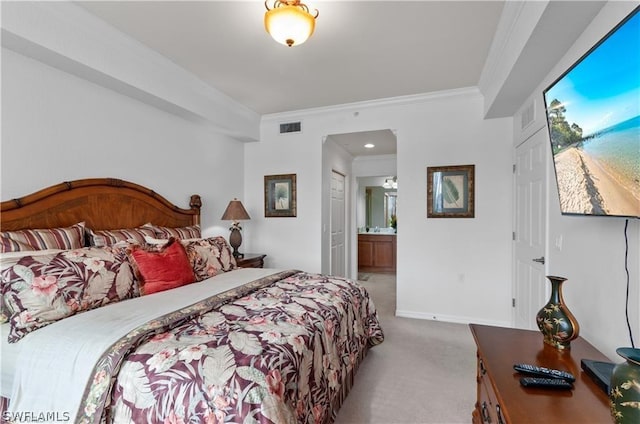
(390, 199)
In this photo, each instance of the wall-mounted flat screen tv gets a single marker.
(593, 117)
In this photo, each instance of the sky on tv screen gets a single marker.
(603, 89)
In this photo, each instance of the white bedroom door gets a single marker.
(337, 224)
(530, 230)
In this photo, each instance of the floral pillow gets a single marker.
(8, 260)
(210, 256)
(39, 291)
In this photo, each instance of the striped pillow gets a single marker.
(42, 239)
(182, 233)
(102, 238)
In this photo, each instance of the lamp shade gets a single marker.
(289, 24)
(235, 211)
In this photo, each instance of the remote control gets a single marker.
(546, 383)
(544, 372)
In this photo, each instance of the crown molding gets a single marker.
(370, 158)
(377, 103)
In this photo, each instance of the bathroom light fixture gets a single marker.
(391, 182)
(369, 146)
(289, 21)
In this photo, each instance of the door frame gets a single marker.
(545, 218)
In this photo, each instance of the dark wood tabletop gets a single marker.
(501, 348)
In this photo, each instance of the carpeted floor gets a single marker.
(423, 373)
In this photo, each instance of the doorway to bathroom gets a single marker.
(377, 197)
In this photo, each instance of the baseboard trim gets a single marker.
(450, 318)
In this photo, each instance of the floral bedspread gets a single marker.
(282, 349)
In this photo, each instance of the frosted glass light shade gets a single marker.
(289, 25)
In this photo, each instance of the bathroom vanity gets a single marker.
(377, 252)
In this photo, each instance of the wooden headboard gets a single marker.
(102, 203)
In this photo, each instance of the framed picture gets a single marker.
(450, 191)
(280, 195)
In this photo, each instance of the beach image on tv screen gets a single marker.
(594, 124)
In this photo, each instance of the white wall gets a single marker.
(80, 99)
(455, 269)
(289, 242)
(58, 127)
(592, 253)
(374, 166)
(450, 269)
(66, 36)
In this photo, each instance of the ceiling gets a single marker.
(384, 142)
(361, 50)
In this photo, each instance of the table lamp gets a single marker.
(235, 212)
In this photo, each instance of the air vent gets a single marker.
(528, 116)
(290, 127)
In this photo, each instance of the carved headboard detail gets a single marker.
(102, 203)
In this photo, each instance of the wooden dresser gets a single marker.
(501, 398)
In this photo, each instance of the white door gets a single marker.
(530, 228)
(337, 224)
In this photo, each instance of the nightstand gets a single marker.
(251, 260)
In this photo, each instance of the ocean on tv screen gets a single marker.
(600, 175)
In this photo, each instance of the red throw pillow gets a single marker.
(162, 269)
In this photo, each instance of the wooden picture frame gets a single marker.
(280, 195)
(451, 191)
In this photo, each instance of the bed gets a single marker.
(244, 345)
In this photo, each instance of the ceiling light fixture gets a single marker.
(289, 22)
(369, 146)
